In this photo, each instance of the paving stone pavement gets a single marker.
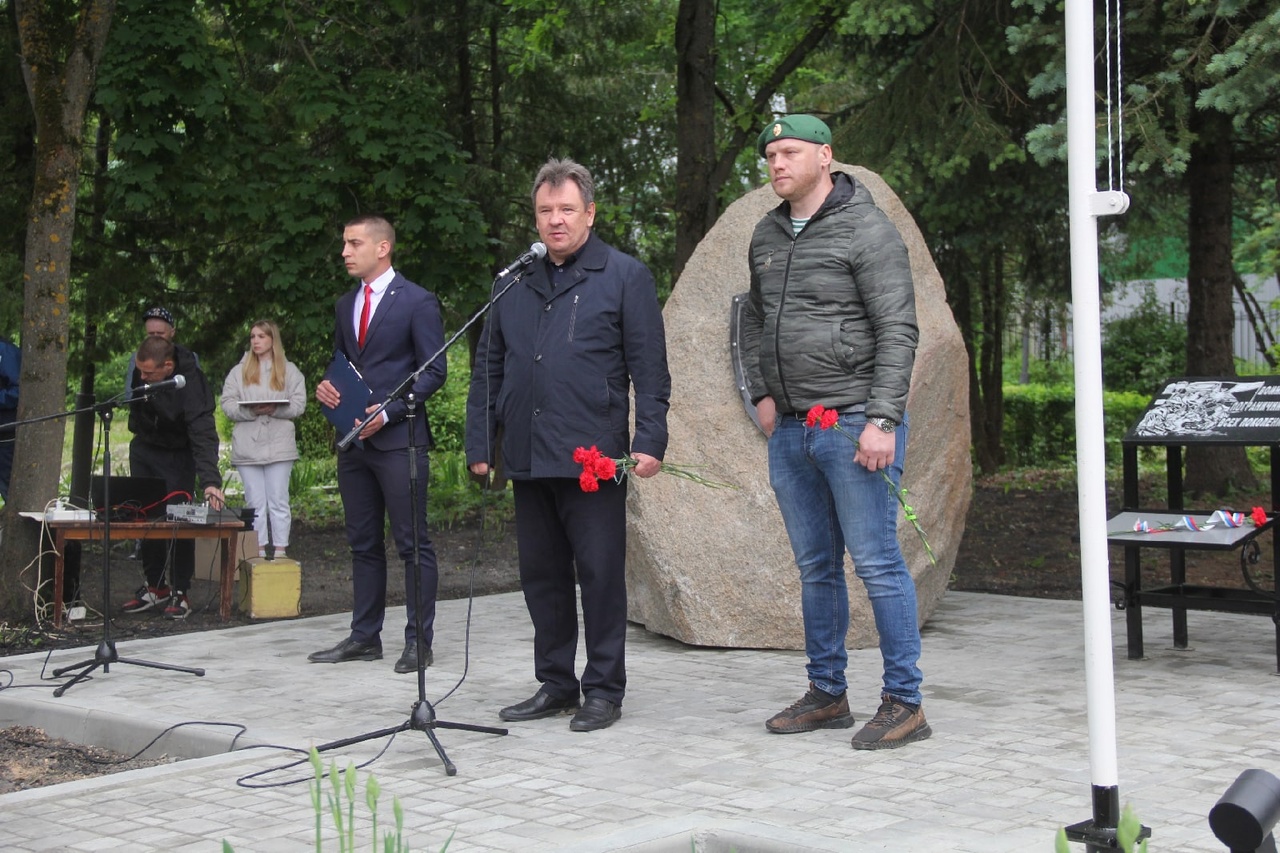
(689, 766)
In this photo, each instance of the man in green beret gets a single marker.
(831, 323)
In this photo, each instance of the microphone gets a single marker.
(176, 381)
(536, 251)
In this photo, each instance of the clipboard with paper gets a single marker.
(353, 392)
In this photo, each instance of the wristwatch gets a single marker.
(884, 424)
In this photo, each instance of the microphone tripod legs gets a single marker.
(104, 656)
(422, 718)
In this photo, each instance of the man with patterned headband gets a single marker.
(831, 322)
(158, 322)
(174, 439)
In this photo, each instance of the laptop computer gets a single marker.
(132, 498)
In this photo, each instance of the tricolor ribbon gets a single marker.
(1219, 518)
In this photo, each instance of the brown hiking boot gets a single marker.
(894, 725)
(815, 710)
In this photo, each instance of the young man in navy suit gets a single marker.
(387, 328)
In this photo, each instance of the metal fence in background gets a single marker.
(1050, 338)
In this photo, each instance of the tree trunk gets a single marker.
(496, 141)
(1210, 277)
(60, 54)
(461, 31)
(986, 398)
(696, 215)
(992, 297)
(696, 208)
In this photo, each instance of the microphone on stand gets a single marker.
(536, 251)
(177, 381)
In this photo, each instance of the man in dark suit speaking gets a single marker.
(554, 367)
(386, 328)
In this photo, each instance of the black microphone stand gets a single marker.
(422, 716)
(106, 653)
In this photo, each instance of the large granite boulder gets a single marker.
(713, 567)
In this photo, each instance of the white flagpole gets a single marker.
(1086, 204)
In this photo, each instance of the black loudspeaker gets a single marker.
(1244, 816)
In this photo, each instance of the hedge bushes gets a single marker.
(1040, 423)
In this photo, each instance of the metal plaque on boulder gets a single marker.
(735, 353)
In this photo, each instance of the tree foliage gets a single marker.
(242, 142)
(1142, 349)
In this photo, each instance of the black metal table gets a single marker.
(1207, 412)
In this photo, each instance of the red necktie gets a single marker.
(364, 314)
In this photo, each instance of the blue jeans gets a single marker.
(828, 502)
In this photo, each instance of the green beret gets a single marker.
(804, 127)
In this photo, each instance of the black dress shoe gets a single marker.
(409, 658)
(542, 704)
(348, 649)
(596, 713)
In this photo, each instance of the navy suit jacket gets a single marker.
(554, 367)
(403, 333)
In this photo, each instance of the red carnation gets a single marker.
(588, 482)
(605, 468)
(829, 419)
(815, 415)
(1259, 516)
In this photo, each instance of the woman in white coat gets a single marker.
(262, 396)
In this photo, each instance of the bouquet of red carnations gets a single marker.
(596, 467)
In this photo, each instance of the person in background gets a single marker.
(175, 439)
(387, 327)
(262, 395)
(830, 321)
(10, 373)
(553, 370)
(157, 322)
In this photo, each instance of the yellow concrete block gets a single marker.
(270, 589)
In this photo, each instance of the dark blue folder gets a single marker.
(354, 394)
